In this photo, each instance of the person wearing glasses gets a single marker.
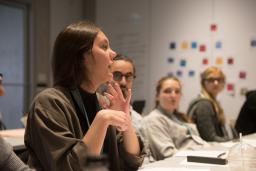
(8, 159)
(206, 110)
(123, 70)
(66, 124)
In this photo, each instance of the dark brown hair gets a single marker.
(68, 54)
(127, 59)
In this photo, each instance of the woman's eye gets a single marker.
(105, 47)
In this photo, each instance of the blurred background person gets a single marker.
(207, 112)
(123, 70)
(246, 120)
(165, 129)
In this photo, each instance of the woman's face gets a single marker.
(169, 95)
(214, 83)
(100, 60)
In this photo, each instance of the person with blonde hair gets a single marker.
(206, 110)
(166, 130)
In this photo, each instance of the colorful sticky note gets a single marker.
(193, 45)
(179, 73)
(213, 27)
(242, 75)
(218, 45)
(253, 43)
(184, 45)
(230, 61)
(218, 60)
(170, 60)
(202, 48)
(183, 62)
(191, 73)
(205, 61)
(172, 45)
(230, 87)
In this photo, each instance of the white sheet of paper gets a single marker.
(210, 153)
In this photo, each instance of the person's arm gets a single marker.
(206, 121)
(158, 137)
(9, 160)
(118, 102)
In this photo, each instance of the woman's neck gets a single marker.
(88, 87)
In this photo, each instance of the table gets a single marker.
(15, 137)
(179, 162)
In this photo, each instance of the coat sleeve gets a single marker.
(129, 161)
(53, 137)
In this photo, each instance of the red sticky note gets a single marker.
(230, 87)
(202, 48)
(230, 61)
(242, 75)
(205, 61)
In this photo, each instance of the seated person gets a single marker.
(246, 121)
(8, 159)
(2, 125)
(165, 129)
(207, 112)
(66, 124)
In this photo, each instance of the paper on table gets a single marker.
(210, 153)
(174, 169)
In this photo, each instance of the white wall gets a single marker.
(163, 21)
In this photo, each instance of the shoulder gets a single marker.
(155, 117)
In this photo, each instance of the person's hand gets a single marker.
(116, 118)
(116, 98)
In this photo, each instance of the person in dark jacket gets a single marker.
(65, 123)
(246, 121)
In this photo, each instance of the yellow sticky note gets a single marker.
(219, 60)
(184, 45)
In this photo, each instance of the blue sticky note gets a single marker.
(253, 43)
(170, 60)
(191, 73)
(218, 44)
(172, 45)
(183, 63)
(179, 73)
(193, 45)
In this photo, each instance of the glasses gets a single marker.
(117, 75)
(212, 80)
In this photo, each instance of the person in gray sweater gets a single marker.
(9, 161)
(165, 129)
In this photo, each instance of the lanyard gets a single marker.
(78, 100)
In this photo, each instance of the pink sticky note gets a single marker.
(230, 87)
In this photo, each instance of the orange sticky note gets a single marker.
(219, 60)
(184, 45)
